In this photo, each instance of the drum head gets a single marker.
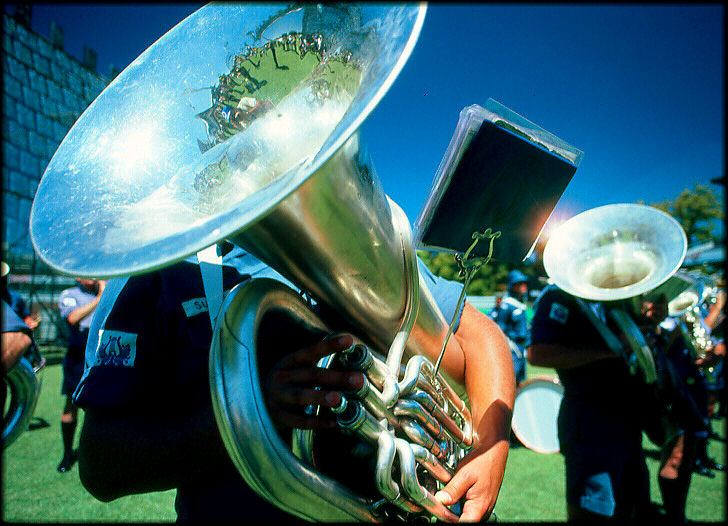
(534, 414)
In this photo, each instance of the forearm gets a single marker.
(490, 384)
(489, 379)
(124, 454)
(715, 314)
(14, 344)
(80, 313)
(562, 357)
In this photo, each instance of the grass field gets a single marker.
(532, 491)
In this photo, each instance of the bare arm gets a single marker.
(124, 453)
(716, 311)
(487, 372)
(14, 345)
(79, 313)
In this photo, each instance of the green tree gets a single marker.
(697, 211)
(489, 279)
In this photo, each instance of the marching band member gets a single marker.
(16, 302)
(711, 364)
(17, 335)
(149, 422)
(684, 390)
(17, 338)
(510, 315)
(714, 319)
(600, 420)
(75, 305)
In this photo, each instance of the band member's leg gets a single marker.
(675, 474)
(72, 371)
(69, 420)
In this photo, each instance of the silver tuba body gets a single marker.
(23, 385)
(686, 308)
(241, 123)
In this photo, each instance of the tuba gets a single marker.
(686, 308)
(700, 292)
(615, 254)
(22, 390)
(241, 123)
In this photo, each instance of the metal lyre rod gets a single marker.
(468, 269)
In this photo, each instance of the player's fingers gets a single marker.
(317, 377)
(306, 396)
(313, 353)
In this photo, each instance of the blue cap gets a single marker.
(516, 276)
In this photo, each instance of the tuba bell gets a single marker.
(241, 123)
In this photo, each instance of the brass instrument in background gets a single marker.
(686, 307)
(22, 390)
(616, 254)
(241, 123)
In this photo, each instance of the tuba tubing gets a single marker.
(264, 460)
(641, 354)
(418, 385)
(23, 386)
(341, 239)
(288, 476)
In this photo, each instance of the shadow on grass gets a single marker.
(38, 423)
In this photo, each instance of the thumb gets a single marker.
(444, 497)
(453, 490)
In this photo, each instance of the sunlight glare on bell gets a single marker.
(135, 147)
(614, 251)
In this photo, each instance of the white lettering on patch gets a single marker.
(116, 348)
(195, 306)
(559, 313)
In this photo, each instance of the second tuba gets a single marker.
(616, 254)
(23, 385)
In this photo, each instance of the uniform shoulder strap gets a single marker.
(210, 260)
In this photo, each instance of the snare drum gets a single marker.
(534, 414)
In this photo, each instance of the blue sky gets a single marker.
(638, 88)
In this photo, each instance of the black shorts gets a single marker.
(72, 372)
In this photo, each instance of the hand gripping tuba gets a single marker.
(241, 123)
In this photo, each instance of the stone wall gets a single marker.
(44, 91)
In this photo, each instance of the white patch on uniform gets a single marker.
(517, 312)
(69, 301)
(513, 302)
(559, 313)
(194, 306)
(116, 348)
